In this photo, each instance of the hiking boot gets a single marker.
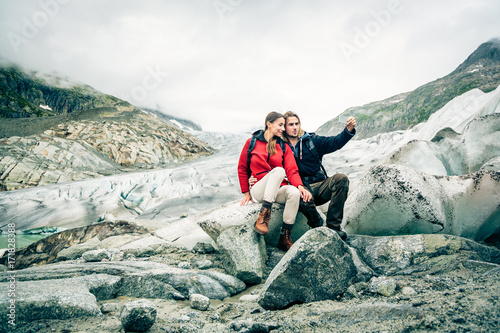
(336, 228)
(285, 242)
(342, 234)
(262, 224)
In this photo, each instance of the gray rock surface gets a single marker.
(138, 316)
(244, 253)
(57, 299)
(391, 255)
(319, 266)
(395, 200)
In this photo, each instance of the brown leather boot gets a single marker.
(262, 224)
(285, 242)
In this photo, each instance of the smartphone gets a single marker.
(343, 119)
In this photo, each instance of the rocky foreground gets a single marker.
(120, 276)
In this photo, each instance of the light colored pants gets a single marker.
(269, 189)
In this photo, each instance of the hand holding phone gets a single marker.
(343, 119)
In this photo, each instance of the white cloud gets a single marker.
(226, 64)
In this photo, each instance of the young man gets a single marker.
(323, 188)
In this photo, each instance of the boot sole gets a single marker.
(260, 232)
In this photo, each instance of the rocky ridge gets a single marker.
(115, 141)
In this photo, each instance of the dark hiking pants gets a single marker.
(333, 189)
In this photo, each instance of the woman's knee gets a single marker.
(293, 194)
(279, 171)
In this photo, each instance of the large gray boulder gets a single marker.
(397, 200)
(56, 299)
(145, 285)
(215, 221)
(243, 252)
(138, 316)
(319, 266)
(393, 255)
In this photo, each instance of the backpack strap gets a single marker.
(251, 146)
(312, 149)
(283, 149)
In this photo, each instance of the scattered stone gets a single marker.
(203, 248)
(351, 292)
(249, 298)
(96, 255)
(199, 302)
(203, 264)
(138, 316)
(408, 291)
(111, 307)
(140, 252)
(382, 285)
(184, 265)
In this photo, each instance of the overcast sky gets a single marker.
(226, 63)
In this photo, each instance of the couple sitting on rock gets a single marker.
(282, 164)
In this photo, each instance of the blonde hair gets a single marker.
(271, 145)
(287, 115)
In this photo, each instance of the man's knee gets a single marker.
(340, 179)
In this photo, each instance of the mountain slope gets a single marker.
(480, 70)
(33, 94)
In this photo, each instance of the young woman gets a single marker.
(270, 163)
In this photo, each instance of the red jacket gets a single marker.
(261, 163)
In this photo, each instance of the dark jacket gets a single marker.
(308, 165)
(261, 163)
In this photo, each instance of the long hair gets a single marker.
(271, 145)
(287, 115)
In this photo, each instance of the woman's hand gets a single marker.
(251, 181)
(246, 199)
(304, 193)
